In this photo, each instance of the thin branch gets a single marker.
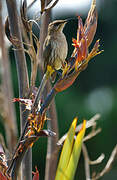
(86, 160)
(18, 144)
(50, 5)
(98, 160)
(29, 41)
(34, 62)
(40, 90)
(89, 123)
(52, 149)
(108, 165)
(92, 134)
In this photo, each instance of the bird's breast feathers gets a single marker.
(55, 50)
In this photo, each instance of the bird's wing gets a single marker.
(47, 48)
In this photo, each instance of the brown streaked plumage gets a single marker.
(55, 47)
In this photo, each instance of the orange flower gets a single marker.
(85, 35)
(80, 44)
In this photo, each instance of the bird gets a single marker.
(55, 48)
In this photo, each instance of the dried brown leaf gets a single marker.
(11, 38)
(23, 11)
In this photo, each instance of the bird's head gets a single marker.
(56, 26)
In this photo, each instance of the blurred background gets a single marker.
(94, 91)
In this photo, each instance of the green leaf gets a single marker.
(70, 153)
(73, 162)
(66, 151)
